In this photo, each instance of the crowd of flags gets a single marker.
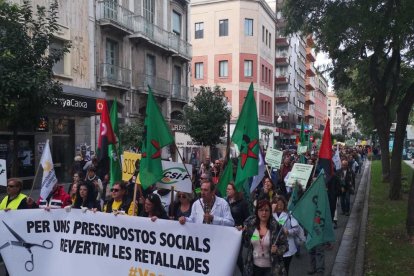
(311, 210)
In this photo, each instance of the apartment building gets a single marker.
(320, 102)
(335, 113)
(290, 77)
(119, 47)
(233, 45)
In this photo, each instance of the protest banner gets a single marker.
(274, 158)
(128, 164)
(301, 173)
(60, 243)
(3, 173)
(175, 175)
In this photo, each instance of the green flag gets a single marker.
(114, 150)
(246, 137)
(294, 198)
(225, 178)
(156, 135)
(302, 143)
(313, 213)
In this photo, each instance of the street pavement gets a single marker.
(300, 265)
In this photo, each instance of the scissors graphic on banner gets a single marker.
(29, 265)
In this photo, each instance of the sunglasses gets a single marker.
(114, 190)
(11, 186)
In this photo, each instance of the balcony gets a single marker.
(180, 47)
(310, 84)
(159, 86)
(310, 70)
(115, 76)
(282, 61)
(281, 99)
(309, 113)
(114, 17)
(310, 97)
(310, 56)
(179, 93)
(151, 33)
(282, 41)
(309, 41)
(144, 30)
(281, 79)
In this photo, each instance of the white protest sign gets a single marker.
(50, 243)
(175, 174)
(302, 149)
(274, 157)
(301, 173)
(3, 173)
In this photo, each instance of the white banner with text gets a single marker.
(37, 242)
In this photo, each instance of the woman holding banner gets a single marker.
(153, 208)
(181, 206)
(266, 242)
(86, 198)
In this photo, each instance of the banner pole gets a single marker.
(185, 167)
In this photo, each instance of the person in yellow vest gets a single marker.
(15, 199)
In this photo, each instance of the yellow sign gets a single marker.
(128, 165)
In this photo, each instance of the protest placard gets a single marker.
(274, 158)
(3, 173)
(175, 175)
(301, 173)
(128, 165)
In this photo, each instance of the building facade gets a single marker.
(233, 45)
(118, 48)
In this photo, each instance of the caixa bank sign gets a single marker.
(76, 103)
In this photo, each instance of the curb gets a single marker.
(350, 257)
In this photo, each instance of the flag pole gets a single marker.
(35, 177)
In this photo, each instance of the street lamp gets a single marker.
(229, 109)
(279, 121)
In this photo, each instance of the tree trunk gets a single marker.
(396, 159)
(382, 124)
(410, 213)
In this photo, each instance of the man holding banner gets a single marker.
(209, 209)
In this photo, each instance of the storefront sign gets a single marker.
(71, 102)
(177, 127)
(183, 140)
(35, 242)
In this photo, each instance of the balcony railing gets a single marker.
(149, 31)
(158, 85)
(282, 41)
(309, 113)
(160, 37)
(310, 83)
(110, 13)
(310, 97)
(179, 92)
(114, 75)
(180, 46)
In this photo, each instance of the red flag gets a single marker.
(106, 133)
(325, 152)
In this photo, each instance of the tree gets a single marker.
(27, 85)
(131, 134)
(206, 116)
(374, 39)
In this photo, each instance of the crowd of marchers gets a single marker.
(269, 232)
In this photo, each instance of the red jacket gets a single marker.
(59, 199)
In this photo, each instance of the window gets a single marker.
(223, 70)
(55, 46)
(150, 70)
(176, 23)
(270, 40)
(176, 81)
(263, 33)
(248, 68)
(248, 27)
(224, 27)
(199, 70)
(263, 72)
(267, 35)
(111, 58)
(199, 30)
(149, 8)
